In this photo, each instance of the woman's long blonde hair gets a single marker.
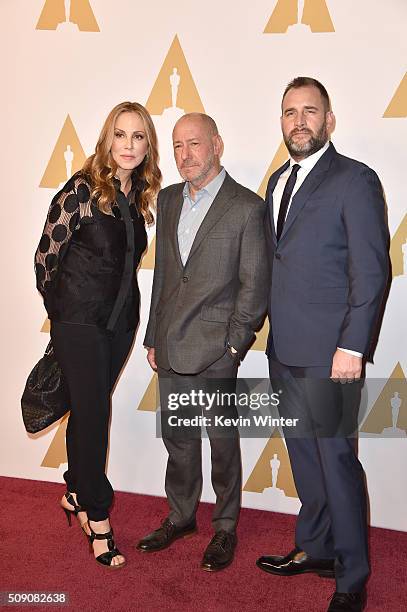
(101, 167)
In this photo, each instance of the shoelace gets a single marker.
(342, 598)
(219, 540)
(167, 527)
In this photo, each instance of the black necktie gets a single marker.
(285, 199)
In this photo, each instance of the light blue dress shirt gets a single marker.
(194, 211)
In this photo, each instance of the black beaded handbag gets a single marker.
(46, 397)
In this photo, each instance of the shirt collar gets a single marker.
(137, 184)
(211, 188)
(309, 162)
(135, 181)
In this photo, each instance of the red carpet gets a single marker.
(39, 552)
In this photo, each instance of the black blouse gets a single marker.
(86, 262)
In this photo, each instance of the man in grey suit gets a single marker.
(209, 295)
(328, 243)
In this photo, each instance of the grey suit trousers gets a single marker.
(183, 481)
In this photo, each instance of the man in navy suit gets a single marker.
(328, 243)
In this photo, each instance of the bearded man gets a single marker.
(328, 245)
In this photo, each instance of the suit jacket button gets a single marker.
(185, 279)
(277, 255)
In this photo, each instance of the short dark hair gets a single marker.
(302, 81)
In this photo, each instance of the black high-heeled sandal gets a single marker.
(106, 558)
(77, 508)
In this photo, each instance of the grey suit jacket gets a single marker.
(220, 295)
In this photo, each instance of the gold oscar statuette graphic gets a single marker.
(388, 415)
(173, 94)
(174, 86)
(398, 249)
(260, 344)
(46, 328)
(56, 453)
(261, 477)
(278, 160)
(298, 15)
(148, 260)
(398, 104)
(67, 158)
(67, 15)
(151, 398)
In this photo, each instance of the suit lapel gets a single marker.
(269, 198)
(221, 204)
(175, 209)
(313, 180)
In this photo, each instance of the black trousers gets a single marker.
(183, 481)
(332, 522)
(91, 360)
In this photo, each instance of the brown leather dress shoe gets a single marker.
(220, 551)
(165, 535)
(297, 562)
(347, 602)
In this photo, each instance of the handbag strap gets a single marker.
(50, 349)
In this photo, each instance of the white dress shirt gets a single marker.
(306, 165)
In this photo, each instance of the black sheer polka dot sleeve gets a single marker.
(63, 218)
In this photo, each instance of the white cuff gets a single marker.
(354, 353)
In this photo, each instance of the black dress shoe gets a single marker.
(347, 602)
(297, 562)
(165, 535)
(220, 551)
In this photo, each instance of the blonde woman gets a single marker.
(85, 266)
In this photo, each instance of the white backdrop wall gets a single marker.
(234, 70)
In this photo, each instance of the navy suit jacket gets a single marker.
(330, 267)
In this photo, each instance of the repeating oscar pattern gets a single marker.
(174, 92)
